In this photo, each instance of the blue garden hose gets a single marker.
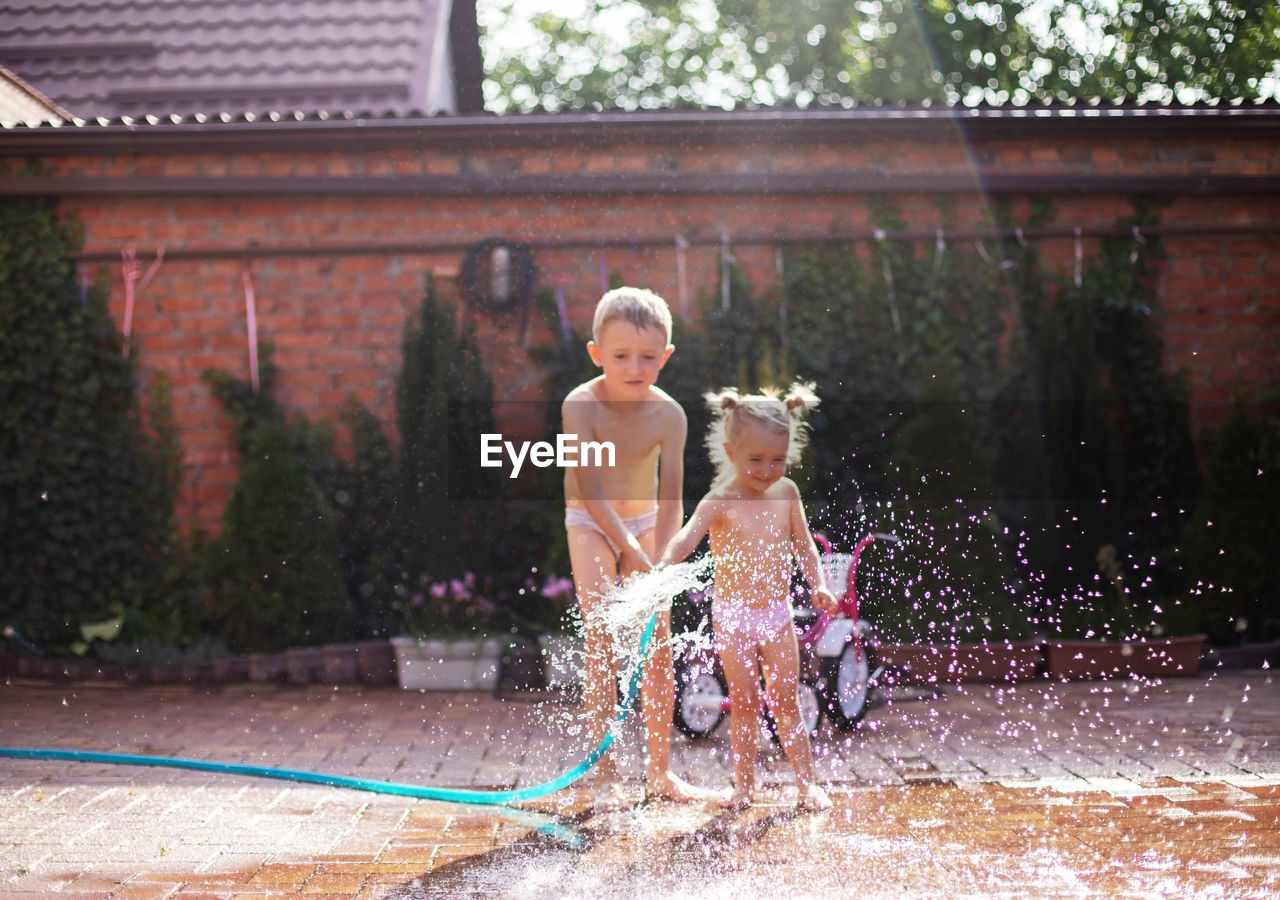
(421, 792)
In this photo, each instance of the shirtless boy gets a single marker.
(618, 516)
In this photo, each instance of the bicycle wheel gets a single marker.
(810, 710)
(847, 685)
(700, 695)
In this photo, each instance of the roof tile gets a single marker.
(110, 58)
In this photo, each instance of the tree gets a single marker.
(85, 508)
(670, 53)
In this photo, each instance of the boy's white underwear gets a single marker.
(578, 517)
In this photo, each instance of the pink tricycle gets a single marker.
(836, 678)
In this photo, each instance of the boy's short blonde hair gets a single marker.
(771, 408)
(639, 306)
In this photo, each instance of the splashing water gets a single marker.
(639, 597)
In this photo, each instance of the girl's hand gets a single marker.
(826, 601)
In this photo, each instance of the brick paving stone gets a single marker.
(1167, 788)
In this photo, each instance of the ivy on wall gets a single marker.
(1022, 416)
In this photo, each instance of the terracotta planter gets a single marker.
(950, 663)
(1077, 660)
(430, 665)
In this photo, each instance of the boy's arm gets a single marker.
(687, 538)
(671, 477)
(805, 551)
(576, 419)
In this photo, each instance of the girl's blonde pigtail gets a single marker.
(801, 399)
(722, 401)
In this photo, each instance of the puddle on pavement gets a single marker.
(908, 842)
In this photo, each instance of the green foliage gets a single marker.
(317, 549)
(1230, 540)
(273, 572)
(364, 497)
(957, 582)
(84, 525)
(1117, 453)
(443, 401)
(1006, 423)
(646, 54)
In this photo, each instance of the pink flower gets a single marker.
(439, 590)
(557, 587)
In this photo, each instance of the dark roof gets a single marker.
(112, 58)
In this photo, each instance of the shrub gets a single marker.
(85, 511)
(273, 571)
(1229, 542)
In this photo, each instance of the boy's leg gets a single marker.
(657, 693)
(780, 661)
(594, 571)
(738, 660)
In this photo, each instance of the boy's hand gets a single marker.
(826, 601)
(634, 557)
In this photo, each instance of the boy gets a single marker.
(617, 517)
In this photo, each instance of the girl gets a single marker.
(757, 526)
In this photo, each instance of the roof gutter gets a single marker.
(299, 133)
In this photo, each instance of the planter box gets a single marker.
(949, 663)
(230, 669)
(1076, 660)
(1246, 656)
(338, 663)
(376, 662)
(302, 665)
(266, 667)
(563, 661)
(468, 665)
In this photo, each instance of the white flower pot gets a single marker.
(438, 665)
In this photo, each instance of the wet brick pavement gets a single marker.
(1130, 789)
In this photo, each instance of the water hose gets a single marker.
(421, 792)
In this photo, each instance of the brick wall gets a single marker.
(613, 200)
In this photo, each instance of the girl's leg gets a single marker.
(780, 660)
(594, 573)
(738, 659)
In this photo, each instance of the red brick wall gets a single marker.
(336, 320)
